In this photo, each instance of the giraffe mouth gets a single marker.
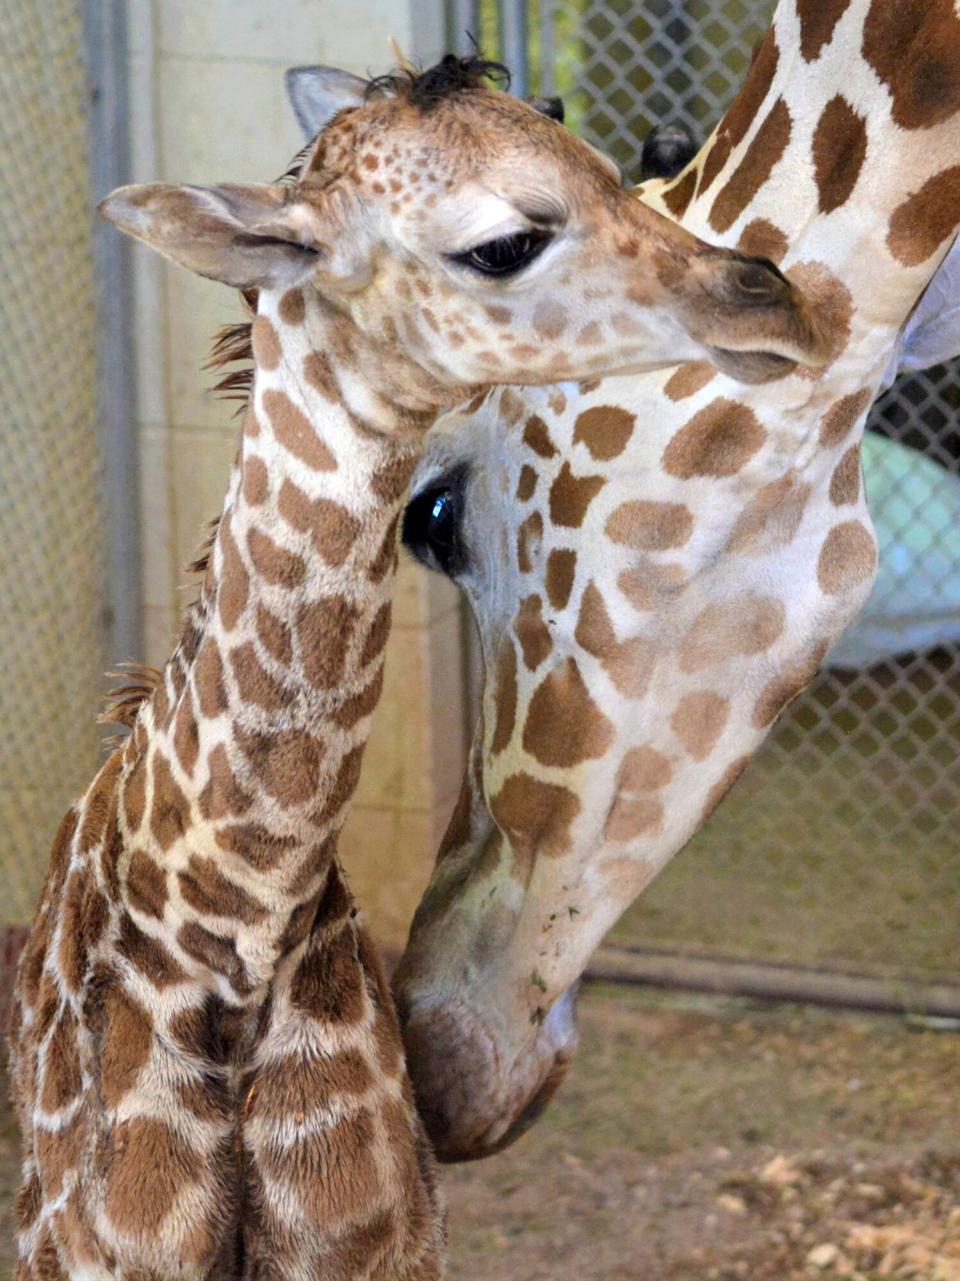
(752, 366)
(477, 1094)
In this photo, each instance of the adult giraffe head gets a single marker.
(476, 233)
(657, 564)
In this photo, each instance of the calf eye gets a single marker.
(432, 525)
(506, 255)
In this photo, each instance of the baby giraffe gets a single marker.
(206, 1064)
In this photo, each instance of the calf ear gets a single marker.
(931, 333)
(247, 236)
(318, 93)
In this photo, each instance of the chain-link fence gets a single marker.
(52, 575)
(840, 847)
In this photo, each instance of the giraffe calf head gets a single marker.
(470, 231)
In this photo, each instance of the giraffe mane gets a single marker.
(233, 346)
(122, 704)
(449, 76)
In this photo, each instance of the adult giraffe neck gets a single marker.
(808, 166)
(240, 770)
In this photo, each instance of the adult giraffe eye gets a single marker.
(506, 255)
(432, 526)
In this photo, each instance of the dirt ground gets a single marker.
(700, 1139)
(709, 1140)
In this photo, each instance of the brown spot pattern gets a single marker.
(255, 685)
(506, 696)
(818, 19)
(843, 414)
(561, 569)
(151, 1166)
(745, 625)
(292, 308)
(325, 629)
(208, 679)
(761, 239)
(678, 197)
(529, 538)
(915, 50)
(649, 526)
(648, 583)
(535, 816)
(686, 380)
(832, 302)
(723, 785)
(839, 150)
(744, 111)
(295, 432)
(532, 632)
(847, 559)
(537, 437)
(767, 146)
(206, 888)
(845, 481)
(628, 663)
(698, 721)
(526, 483)
(222, 794)
(125, 1044)
(783, 689)
(256, 484)
(605, 430)
(266, 344)
(274, 563)
(146, 885)
(335, 529)
(170, 810)
(287, 763)
(772, 517)
(234, 579)
(634, 812)
(328, 983)
(564, 726)
(274, 635)
(925, 219)
(717, 441)
(61, 1073)
(571, 496)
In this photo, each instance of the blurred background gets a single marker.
(831, 873)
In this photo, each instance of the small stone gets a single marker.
(822, 1256)
(780, 1172)
(732, 1204)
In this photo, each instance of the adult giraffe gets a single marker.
(206, 1065)
(658, 564)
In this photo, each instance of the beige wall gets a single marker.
(207, 104)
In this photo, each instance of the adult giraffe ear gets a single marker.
(318, 93)
(246, 236)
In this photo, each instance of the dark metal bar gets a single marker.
(463, 17)
(548, 48)
(106, 39)
(773, 982)
(514, 45)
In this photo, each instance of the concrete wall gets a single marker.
(207, 104)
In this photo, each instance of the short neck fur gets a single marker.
(241, 768)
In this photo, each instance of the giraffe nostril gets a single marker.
(751, 282)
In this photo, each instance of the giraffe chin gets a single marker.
(475, 1100)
